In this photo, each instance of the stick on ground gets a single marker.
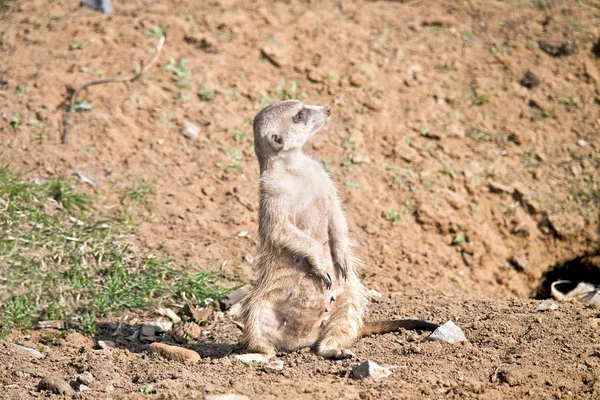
(118, 79)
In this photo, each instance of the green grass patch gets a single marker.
(60, 261)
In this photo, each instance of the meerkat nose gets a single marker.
(328, 109)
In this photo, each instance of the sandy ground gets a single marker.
(476, 122)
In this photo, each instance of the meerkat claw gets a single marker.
(343, 269)
(327, 281)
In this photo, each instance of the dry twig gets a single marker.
(118, 79)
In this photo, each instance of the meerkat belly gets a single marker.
(300, 309)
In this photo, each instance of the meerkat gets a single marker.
(308, 292)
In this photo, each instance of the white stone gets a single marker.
(370, 369)
(449, 332)
(547, 305)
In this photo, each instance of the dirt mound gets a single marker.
(463, 140)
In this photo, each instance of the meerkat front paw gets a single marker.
(341, 263)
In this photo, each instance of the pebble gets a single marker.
(85, 378)
(56, 386)
(374, 294)
(187, 331)
(106, 344)
(175, 353)
(159, 326)
(370, 369)
(498, 187)
(226, 397)
(103, 6)
(374, 104)
(547, 305)
(31, 351)
(191, 130)
(449, 332)
(275, 55)
(274, 366)
(582, 143)
(520, 263)
(249, 259)
(357, 79)
(25, 374)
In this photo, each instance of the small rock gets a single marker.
(519, 137)
(252, 358)
(226, 397)
(449, 332)
(520, 263)
(148, 333)
(370, 369)
(566, 225)
(498, 187)
(547, 305)
(358, 79)
(592, 298)
(361, 159)
(106, 344)
(455, 200)
(56, 386)
(167, 312)
(275, 54)
(160, 326)
(191, 130)
(85, 378)
(273, 366)
(82, 388)
(249, 259)
(582, 143)
(31, 351)
(374, 104)
(234, 297)
(315, 75)
(175, 353)
(25, 374)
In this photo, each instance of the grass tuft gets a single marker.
(59, 261)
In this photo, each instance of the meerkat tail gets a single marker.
(381, 327)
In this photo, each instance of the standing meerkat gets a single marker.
(307, 293)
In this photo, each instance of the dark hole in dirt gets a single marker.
(585, 268)
(596, 48)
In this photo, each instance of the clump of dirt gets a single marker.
(463, 141)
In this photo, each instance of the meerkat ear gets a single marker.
(275, 141)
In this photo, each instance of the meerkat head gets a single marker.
(286, 126)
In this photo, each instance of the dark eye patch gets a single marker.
(301, 116)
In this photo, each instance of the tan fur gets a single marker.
(308, 293)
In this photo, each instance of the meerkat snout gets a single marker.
(284, 127)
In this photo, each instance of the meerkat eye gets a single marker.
(299, 117)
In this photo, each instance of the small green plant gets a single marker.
(436, 28)
(533, 44)
(478, 135)
(497, 48)
(349, 144)
(155, 32)
(84, 69)
(77, 45)
(351, 184)
(393, 216)
(53, 339)
(459, 240)
(16, 121)
(467, 35)
(288, 90)
(238, 135)
(179, 71)
(20, 90)
(481, 99)
(234, 94)
(148, 390)
(139, 193)
(448, 170)
(206, 94)
(448, 66)
(236, 162)
(348, 161)
(569, 101)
